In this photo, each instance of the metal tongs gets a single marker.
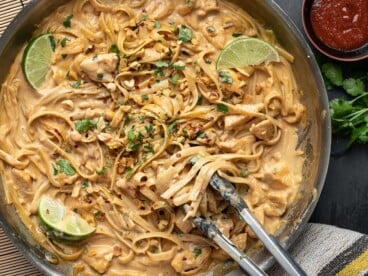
(227, 191)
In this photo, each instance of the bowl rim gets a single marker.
(320, 46)
(24, 248)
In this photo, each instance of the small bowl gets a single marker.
(342, 55)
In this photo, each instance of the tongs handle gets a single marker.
(212, 232)
(228, 192)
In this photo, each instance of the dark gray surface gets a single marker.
(344, 199)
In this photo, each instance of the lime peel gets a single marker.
(245, 52)
(60, 223)
(37, 59)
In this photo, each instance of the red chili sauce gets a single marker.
(341, 24)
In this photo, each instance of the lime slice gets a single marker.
(37, 59)
(243, 52)
(60, 223)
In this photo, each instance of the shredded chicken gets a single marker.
(100, 67)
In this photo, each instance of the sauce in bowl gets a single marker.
(340, 24)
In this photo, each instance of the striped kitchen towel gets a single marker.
(328, 250)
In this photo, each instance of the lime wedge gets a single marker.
(243, 52)
(37, 59)
(60, 223)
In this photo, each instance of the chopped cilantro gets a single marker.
(64, 55)
(197, 252)
(100, 76)
(243, 173)
(172, 126)
(109, 164)
(97, 214)
(63, 166)
(131, 135)
(126, 120)
(178, 67)
(150, 129)
(145, 97)
(76, 84)
(52, 42)
(84, 184)
(189, 2)
(225, 78)
(161, 64)
(222, 108)
(157, 24)
(68, 21)
(158, 72)
(200, 100)
(63, 42)
(174, 79)
(85, 125)
(55, 171)
(185, 33)
(144, 18)
(211, 29)
(129, 173)
(237, 34)
(202, 135)
(102, 171)
(149, 148)
(114, 49)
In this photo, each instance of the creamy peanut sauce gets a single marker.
(160, 121)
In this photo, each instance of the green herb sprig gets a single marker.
(349, 116)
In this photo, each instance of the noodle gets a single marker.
(133, 103)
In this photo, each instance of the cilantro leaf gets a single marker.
(102, 171)
(197, 252)
(161, 64)
(68, 21)
(354, 87)
(172, 126)
(114, 49)
(185, 33)
(131, 135)
(76, 84)
(52, 42)
(63, 42)
(225, 77)
(333, 73)
(178, 67)
(341, 107)
(174, 79)
(157, 24)
(63, 166)
(237, 34)
(222, 108)
(85, 125)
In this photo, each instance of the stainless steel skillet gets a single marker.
(316, 143)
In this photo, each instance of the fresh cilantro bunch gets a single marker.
(349, 116)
